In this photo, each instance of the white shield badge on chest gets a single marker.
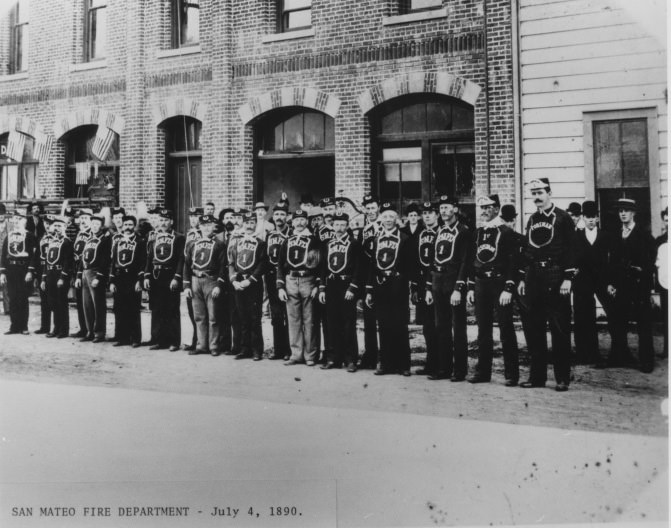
(246, 258)
(125, 252)
(202, 253)
(163, 247)
(337, 256)
(542, 230)
(54, 251)
(16, 245)
(91, 250)
(274, 244)
(488, 245)
(445, 242)
(426, 242)
(297, 251)
(387, 251)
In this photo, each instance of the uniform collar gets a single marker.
(342, 237)
(495, 222)
(305, 233)
(452, 227)
(548, 211)
(392, 231)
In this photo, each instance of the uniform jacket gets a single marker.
(342, 257)
(129, 257)
(59, 253)
(494, 253)
(206, 255)
(594, 262)
(191, 235)
(97, 255)
(35, 227)
(661, 261)
(367, 236)
(274, 242)
(300, 253)
(635, 258)
(248, 258)
(42, 245)
(79, 243)
(391, 257)
(165, 251)
(19, 248)
(423, 246)
(451, 254)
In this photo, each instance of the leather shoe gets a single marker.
(195, 352)
(135, 345)
(457, 378)
(119, 344)
(405, 373)
(148, 343)
(561, 387)
(10, 332)
(228, 353)
(97, 339)
(478, 379)
(380, 372)
(62, 336)
(531, 385)
(25, 332)
(156, 347)
(351, 367)
(214, 353)
(50, 334)
(79, 334)
(189, 348)
(291, 362)
(438, 376)
(257, 357)
(511, 383)
(242, 355)
(276, 356)
(41, 331)
(423, 372)
(310, 363)
(173, 348)
(86, 338)
(328, 366)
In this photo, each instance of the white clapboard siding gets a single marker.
(554, 159)
(595, 80)
(583, 20)
(570, 37)
(592, 65)
(545, 10)
(568, 174)
(614, 48)
(539, 146)
(553, 130)
(614, 94)
(573, 113)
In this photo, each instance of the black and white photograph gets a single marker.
(333, 263)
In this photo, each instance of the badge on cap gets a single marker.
(539, 183)
(300, 213)
(387, 206)
(195, 211)
(207, 219)
(369, 198)
(491, 200)
(445, 199)
(428, 206)
(342, 216)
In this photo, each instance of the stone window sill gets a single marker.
(415, 17)
(85, 66)
(289, 35)
(178, 52)
(14, 77)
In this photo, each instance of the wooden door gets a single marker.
(183, 192)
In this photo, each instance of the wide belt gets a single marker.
(488, 274)
(339, 276)
(443, 268)
(203, 274)
(14, 262)
(300, 273)
(54, 267)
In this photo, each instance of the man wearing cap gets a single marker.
(324, 232)
(77, 249)
(232, 345)
(278, 310)
(387, 290)
(413, 226)
(191, 236)
(162, 278)
(593, 251)
(491, 284)
(129, 254)
(17, 268)
(57, 270)
(42, 244)
(366, 239)
(71, 227)
(116, 232)
(446, 289)
(246, 267)
(546, 283)
(34, 220)
(204, 281)
(92, 276)
(635, 255)
(226, 301)
(4, 231)
(297, 286)
(339, 287)
(423, 247)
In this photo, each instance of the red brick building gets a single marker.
(184, 101)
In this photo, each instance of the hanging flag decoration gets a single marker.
(103, 142)
(43, 144)
(15, 145)
(82, 173)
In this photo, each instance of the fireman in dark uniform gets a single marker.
(339, 287)
(43, 244)
(246, 267)
(92, 278)
(546, 283)
(490, 286)
(129, 254)
(387, 289)
(223, 231)
(116, 232)
(17, 268)
(79, 242)
(324, 233)
(366, 238)
(36, 224)
(162, 278)
(234, 316)
(635, 255)
(204, 282)
(278, 310)
(446, 289)
(191, 235)
(423, 247)
(593, 252)
(57, 270)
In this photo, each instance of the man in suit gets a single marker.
(662, 263)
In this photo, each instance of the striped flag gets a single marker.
(103, 142)
(43, 144)
(82, 172)
(15, 145)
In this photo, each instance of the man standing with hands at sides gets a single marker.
(162, 278)
(204, 282)
(191, 236)
(339, 284)
(446, 289)
(42, 245)
(366, 238)
(92, 276)
(245, 268)
(490, 286)
(129, 254)
(17, 268)
(116, 232)
(77, 249)
(58, 268)
(278, 310)
(546, 282)
(297, 286)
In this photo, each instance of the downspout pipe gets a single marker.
(517, 111)
(487, 125)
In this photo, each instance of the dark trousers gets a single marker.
(391, 308)
(223, 315)
(18, 290)
(585, 287)
(664, 299)
(128, 325)
(192, 318)
(249, 303)
(341, 315)
(523, 307)
(547, 305)
(45, 310)
(371, 352)
(5, 299)
(320, 325)
(235, 323)
(426, 316)
(278, 318)
(81, 318)
(632, 301)
(451, 327)
(95, 304)
(487, 293)
(165, 307)
(57, 297)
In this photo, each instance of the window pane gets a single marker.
(635, 153)
(329, 125)
(411, 172)
(462, 118)
(402, 154)
(297, 19)
(391, 172)
(607, 155)
(392, 123)
(314, 131)
(425, 4)
(28, 149)
(28, 183)
(190, 23)
(293, 133)
(414, 118)
(98, 33)
(438, 116)
(12, 178)
(296, 4)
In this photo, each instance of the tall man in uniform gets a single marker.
(297, 287)
(278, 310)
(546, 282)
(635, 255)
(224, 231)
(163, 278)
(248, 260)
(4, 231)
(129, 255)
(92, 278)
(43, 244)
(446, 288)
(17, 268)
(204, 281)
(324, 234)
(116, 232)
(77, 249)
(490, 286)
(662, 278)
(233, 313)
(339, 287)
(191, 236)
(366, 238)
(58, 269)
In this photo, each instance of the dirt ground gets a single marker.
(612, 400)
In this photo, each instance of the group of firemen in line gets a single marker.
(315, 269)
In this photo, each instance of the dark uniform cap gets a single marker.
(300, 213)
(387, 206)
(627, 204)
(207, 219)
(249, 216)
(539, 183)
(155, 210)
(239, 211)
(428, 206)
(342, 216)
(445, 199)
(98, 217)
(369, 198)
(225, 211)
(118, 210)
(412, 208)
(326, 202)
(281, 206)
(165, 213)
(508, 213)
(574, 209)
(195, 211)
(589, 209)
(492, 199)
(131, 218)
(49, 218)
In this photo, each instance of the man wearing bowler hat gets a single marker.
(278, 310)
(57, 270)
(191, 236)
(546, 282)
(163, 278)
(635, 255)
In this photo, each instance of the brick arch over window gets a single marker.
(422, 82)
(177, 106)
(88, 116)
(23, 124)
(297, 96)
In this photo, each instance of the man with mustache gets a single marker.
(191, 235)
(278, 310)
(546, 283)
(57, 270)
(79, 242)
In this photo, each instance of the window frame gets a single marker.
(282, 14)
(88, 11)
(176, 23)
(18, 47)
(406, 7)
